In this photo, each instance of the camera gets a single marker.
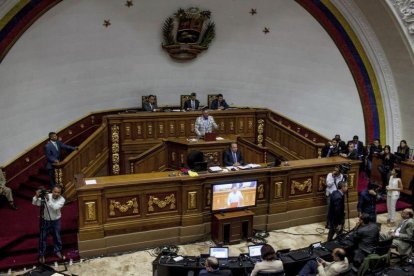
(42, 193)
(344, 168)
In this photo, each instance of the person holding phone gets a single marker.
(322, 267)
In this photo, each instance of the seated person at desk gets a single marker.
(365, 237)
(213, 268)
(403, 151)
(321, 267)
(235, 197)
(192, 103)
(351, 152)
(232, 156)
(204, 124)
(404, 230)
(269, 261)
(150, 104)
(219, 103)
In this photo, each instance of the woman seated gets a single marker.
(269, 261)
(403, 150)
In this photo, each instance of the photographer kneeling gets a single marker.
(50, 220)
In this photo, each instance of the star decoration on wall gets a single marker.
(253, 11)
(106, 23)
(129, 3)
(266, 30)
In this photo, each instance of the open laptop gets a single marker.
(221, 253)
(255, 253)
(200, 166)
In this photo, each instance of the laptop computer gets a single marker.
(210, 136)
(200, 166)
(221, 253)
(255, 254)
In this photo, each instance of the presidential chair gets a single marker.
(183, 99)
(210, 99)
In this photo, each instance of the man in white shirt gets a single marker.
(204, 124)
(235, 197)
(51, 204)
(403, 232)
(332, 180)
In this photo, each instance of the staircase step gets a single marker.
(41, 178)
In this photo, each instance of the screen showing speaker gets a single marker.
(233, 195)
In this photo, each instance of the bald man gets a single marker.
(322, 267)
(204, 124)
(403, 232)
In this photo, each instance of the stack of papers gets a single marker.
(219, 138)
(215, 169)
(249, 166)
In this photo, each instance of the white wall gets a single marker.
(67, 65)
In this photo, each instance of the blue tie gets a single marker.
(234, 157)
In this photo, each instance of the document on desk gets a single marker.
(215, 169)
(90, 181)
(249, 166)
(219, 138)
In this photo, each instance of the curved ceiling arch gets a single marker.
(25, 12)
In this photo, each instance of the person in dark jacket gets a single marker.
(375, 149)
(336, 213)
(388, 160)
(367, 201)
(365, 238)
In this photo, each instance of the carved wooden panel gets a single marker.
(123, 206)
(301, 186)
(161, 202)
(127, 131)
(322, 182)
(90, 211)
(191, 200)
(278, 192)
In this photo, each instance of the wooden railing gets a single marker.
(88, 160)
(289, 139)
(252, 153)
(153, 160)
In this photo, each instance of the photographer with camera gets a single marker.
(50, 219)
(332, 180)
(336, 212)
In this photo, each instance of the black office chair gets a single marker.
(262, 273)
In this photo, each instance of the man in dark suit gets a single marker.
(367, 201)
(53, 156)
(365, 238)
(336, 212)
(358, 146)
(219, 103)
(150, 104)
(192, 103)
(232, 156)
(213, 268)
(351, 153)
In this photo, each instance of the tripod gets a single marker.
(43, 226)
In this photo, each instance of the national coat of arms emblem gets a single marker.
(187, 33)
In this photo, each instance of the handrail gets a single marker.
(134, 161)
(86, 160)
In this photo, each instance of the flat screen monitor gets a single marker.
(219, 252)
(254, 250)
(233, 195)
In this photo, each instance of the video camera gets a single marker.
(42, 193)
(344, 168)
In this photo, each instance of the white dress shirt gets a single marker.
(52, 206)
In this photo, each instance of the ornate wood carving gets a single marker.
(208, 196)
(212, 157)
(304, 186)
(278, 189)
(260, 190)
(161, 126)
(192, 200)
(351, 180)
(321, 183)
(59, 176)
(172, 128)
(168, 200)
(115, 149)
(90, 211)
(260, 131)
(128, 131)
(123, 208)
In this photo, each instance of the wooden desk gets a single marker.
(232, 227)
(135, 211)
(178, 150)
